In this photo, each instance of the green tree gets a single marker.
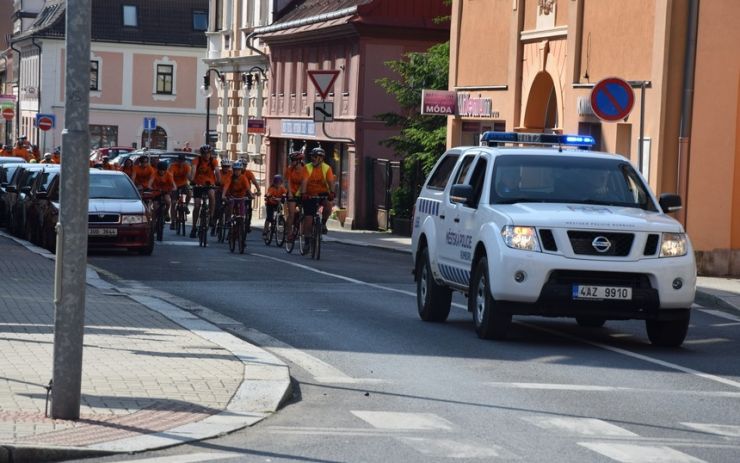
(421, 139)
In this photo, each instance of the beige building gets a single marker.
(530, 65)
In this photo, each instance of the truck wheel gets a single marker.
(490, 321)
(590, 322)
(432, 300)
(668, 333)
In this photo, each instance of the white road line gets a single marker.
(325, 431)
(594, 388)
(727, 430)
(720, 314)
(403, 421)
(454, 448)
(177, 243)
(579, 426)
(186, 458)
(631, 453)
(695, 342)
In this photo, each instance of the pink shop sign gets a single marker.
(438, 102)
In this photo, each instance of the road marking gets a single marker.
(459, 449)
(631, 453)
(727, 430)
(403, 421)
(593, 388)
(178, 243)
(720, 314)
(324, 431)
(321, 371)
(695, 342)
(187, 458)
(580, 426)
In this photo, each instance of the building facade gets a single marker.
(140, 66)
(354, 38)
(540, 59)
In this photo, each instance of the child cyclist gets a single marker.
(275, 194)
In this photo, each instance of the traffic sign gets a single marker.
(150, 123)
(8, 113)
(323, 80)
(45, 121)
(612, 99)
(323, 111)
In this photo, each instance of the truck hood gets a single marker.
(584, 216)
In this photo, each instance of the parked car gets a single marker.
(16, 193)
(136, 154)
(117, 217)
(96, 156)
(6, 174)
(32, 204)
(11, 160)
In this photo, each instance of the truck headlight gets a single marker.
(129, 219)
(524, 238)
(674, 245)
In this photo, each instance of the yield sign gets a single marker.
(323, 80)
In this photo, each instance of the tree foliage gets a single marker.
(421, 139)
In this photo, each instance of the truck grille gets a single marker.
(582, 243)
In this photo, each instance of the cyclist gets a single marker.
(106, 165)
(274, 196)
(56, 156)
(143, 173)
(180, 170)
(128, 168)
(46, 159)
(237, 189)
(295, 173)
(317, 181)
(163, 183)
(6, 151)
(226, 175)
(204, 174)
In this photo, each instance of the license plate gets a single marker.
(102, 232)
(601, 292)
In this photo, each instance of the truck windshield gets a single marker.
(563, 179)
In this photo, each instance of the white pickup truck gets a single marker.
(553, 232)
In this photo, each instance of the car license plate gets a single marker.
(601, 292)
(102, 232)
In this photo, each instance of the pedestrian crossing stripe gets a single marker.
(427, 206)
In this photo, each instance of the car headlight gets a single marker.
(524, 238)
(674, 245)
(129, 219)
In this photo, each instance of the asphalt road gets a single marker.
(373, 383)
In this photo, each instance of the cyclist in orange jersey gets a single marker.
(128, 168)
(294, 173)
(274, 196)
(180, 170)
(143, 172)
(318, 182)
(163, 183)
(204, 174)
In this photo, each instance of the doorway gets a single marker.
(541, 114)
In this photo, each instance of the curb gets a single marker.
(266, 382)
(707, 298)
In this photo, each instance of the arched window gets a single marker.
(157, 139)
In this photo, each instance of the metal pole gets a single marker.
(640, 148)
(69, 319)
(208, 120)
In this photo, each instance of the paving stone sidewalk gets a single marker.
(142, 372)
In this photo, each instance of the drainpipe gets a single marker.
(18, 98)
(38, 91)
(687, 103)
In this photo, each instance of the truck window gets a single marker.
(438, 178)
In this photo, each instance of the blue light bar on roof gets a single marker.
(494, 138)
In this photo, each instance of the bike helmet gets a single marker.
(206, 149)
(277, 178)
(226, 163)
(297, 156)
(237, 165)
(161, 165)
(318, 151)
(144, 158)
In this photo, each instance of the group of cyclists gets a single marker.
(309, 186)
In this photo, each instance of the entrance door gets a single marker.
(541, 114)
(158, 139)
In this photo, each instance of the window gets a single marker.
(94, 67)
(438, 179)
(200, 20)
(462, 171)
(103, 135)
(477, 180)
(164, 79)
(130, 16)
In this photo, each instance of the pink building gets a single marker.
(354, 38)
(141, 65)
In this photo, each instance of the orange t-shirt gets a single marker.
(317, 184)
(108, 166)
(143, 175)
(128, 171)
(204, 171)
(275, 193)
(238, 187)
(22, 153)
(180, 173)
(163, 182)
(56, 158)
(295, 177)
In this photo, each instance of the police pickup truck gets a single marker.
(550, 231)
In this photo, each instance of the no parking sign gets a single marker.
(612, 99)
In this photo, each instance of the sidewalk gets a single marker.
(154, 375)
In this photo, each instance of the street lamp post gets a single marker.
(207, 91)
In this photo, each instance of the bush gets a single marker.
(402, 202)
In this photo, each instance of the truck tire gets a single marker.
(490, 321)
(432, 300)
(668, 333)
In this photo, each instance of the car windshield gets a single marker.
(112, 187)
(562, 179)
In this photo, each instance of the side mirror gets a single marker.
(25, 189)
(461, 194)
(670, 202)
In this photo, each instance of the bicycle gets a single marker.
(295, 230)
(275, 227)
(204, 217)
(156, 207)
(314, 243)
(181, 210)
(221, 223)
(237, 229)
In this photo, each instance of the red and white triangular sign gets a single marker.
(323, 80)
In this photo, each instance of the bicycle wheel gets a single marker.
(160, 222)
(221, 227)
(303, 244)
(280, 231)
(179, 220)
(203, 227)
(242, 241)
(316, 244)
(267, 233)
(233, 236)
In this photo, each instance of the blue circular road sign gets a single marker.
(612, 99)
